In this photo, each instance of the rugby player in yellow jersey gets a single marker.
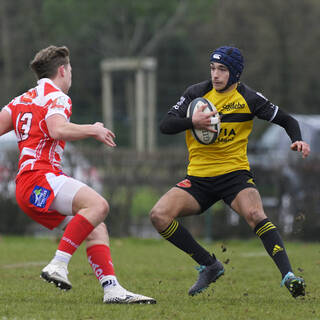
(221, 170)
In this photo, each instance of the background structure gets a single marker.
(280, 43)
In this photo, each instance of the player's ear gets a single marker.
(61, 70)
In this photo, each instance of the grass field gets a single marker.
(250, 289)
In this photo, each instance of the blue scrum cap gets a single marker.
(232, 58)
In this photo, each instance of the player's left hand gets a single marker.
(302, 147)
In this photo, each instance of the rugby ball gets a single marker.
(201, 135)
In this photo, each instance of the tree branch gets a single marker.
(150, 47)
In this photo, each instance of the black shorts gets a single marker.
(207, 191)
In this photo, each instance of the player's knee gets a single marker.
(158, 217)
(101, 228)
(102, 208)
(254, 216)
(153, 214)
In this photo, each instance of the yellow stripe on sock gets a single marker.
(261, 229)
(266, 230)
(266, 227)
(170, 230)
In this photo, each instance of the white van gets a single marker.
(273, 155)
(273, 148)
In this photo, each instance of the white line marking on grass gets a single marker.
(253, 254)
(24, 264)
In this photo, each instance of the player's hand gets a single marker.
(104, 135)
(302, 147)
(201, 120)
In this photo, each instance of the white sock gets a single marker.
(62, 256)
(109, 282)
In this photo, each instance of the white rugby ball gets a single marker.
(201, 135)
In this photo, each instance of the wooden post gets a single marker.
(107, 103)
(151, 107)
(140, 111)
(144, 98)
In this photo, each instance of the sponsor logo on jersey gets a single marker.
(61, 103)
(226, 135)
(250, 181)
(39, 196)
(29, 96)
(225, 140)
(233, 106)
(179, 103)
(186, 183)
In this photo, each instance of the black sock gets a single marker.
(181, 238)
(273, 243)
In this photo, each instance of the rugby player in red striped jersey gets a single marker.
(40, 118)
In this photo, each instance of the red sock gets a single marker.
(76, 232)
(99, 258)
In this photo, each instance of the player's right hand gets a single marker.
(104, 135)
(302, 147)
(202, 120)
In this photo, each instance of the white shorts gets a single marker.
(64, 188)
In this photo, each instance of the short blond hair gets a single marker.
(47, 61)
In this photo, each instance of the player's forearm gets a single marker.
(290, 124)
(69, 131)
(172, 124)
(5, 122)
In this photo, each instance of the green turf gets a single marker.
(250, 288)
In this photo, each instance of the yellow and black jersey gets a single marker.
(237, 108)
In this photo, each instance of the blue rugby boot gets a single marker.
(295, 285)
(207, 275)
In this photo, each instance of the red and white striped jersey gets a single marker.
(38, 151)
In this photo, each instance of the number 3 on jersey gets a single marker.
(23, 125)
